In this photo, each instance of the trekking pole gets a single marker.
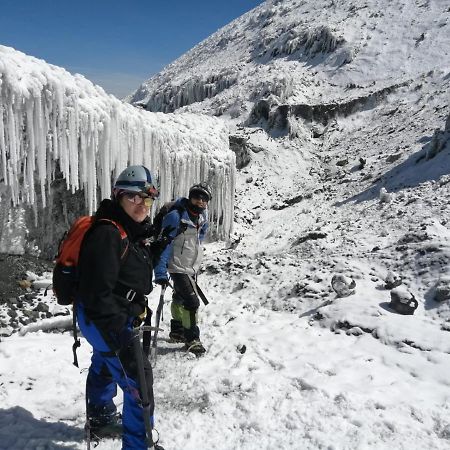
(87, 425)
(147, 331)
(138, 350)
(157, 320)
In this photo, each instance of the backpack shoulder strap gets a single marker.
(182, 226)
(123, 233)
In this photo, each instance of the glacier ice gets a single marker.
(51, 119)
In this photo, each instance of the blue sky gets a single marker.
(115, 43)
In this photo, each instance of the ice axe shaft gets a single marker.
(198, 291)
(159, 311)
(143, 388)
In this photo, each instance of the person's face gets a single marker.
(199, 200)
(136, 206)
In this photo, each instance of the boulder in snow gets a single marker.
(385, 196)
(392, 280)
(403, 301)
(343, 285)
(442, 293)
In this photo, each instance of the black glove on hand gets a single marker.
(163, 282)
(161, 242)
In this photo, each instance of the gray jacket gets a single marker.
(185, 253)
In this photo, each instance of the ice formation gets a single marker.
(52, 119)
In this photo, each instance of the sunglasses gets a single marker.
(139, 199)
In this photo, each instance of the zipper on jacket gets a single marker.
(184, 240)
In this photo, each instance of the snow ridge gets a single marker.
(310, 51)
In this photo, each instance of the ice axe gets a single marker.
(159, 311)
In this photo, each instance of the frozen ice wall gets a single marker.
(53, 120)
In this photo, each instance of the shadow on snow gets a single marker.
(20, 430)
(410, 173)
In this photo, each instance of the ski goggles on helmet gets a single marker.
(199, 196)
(150, 190)
(139, 199)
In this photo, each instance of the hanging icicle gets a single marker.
(49, 117)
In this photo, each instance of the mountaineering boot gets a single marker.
(176, 334)
(105, 421)
(195, 347)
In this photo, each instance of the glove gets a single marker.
(163, 282)
(138, 320)
(161, 242)
(148, 229)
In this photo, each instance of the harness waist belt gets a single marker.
(130, 294)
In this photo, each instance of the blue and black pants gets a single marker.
(109, 369)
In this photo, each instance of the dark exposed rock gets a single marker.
(212, 269)
(278, 118)
(393, 158)
(403, 301)
(42, 307)
(291, 201)
(442, 293)
(314, 235)
(260, 111)
(12, 269)
(324, 112)
(343, 285)
(47, 229)
(392, 280)
(342, 162)
(241, 348)
(413, 238)
(30, 314)
(439, 141)
(239, 145)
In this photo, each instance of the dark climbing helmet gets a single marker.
(202, 189)
(135, 179)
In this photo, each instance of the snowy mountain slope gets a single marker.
(297, 51)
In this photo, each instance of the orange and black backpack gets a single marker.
(65, 273)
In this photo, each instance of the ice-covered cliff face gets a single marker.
(52, 121)
(295, 52)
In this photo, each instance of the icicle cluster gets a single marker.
(320, 39)
(170, 98)
(51, 117)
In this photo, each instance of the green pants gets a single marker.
(184, 307)
(187, 318)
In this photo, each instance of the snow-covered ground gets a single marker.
(290, 365)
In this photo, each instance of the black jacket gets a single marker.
(109, 266)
